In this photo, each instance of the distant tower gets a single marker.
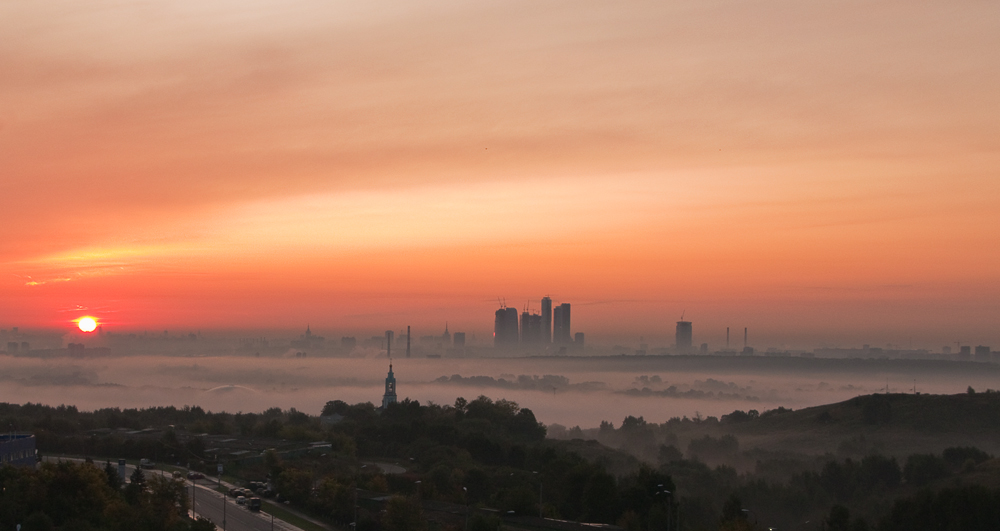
(727, 338)
(745, 344)
(561, 324)
(505, 330)
(512, 333)
(388, 343)
(535, 328)
(683, 337)
(446, 336)
(546, 320)
(459, 339)
(407, 341)
(390, 389)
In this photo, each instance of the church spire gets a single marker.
(390, 388)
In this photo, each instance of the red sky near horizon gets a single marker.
(822, 173)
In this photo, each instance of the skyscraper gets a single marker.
(513, 335)
(531, 328)
(560, 324)
(546, 320)
(505, 329)
(535, 328)
(683, 339)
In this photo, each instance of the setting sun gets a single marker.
(87, 324)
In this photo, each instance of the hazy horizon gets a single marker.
(819, 173)
(569, 392)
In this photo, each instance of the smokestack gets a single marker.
(407, 341)
(727, 337)
(744, 338)
(388, 343)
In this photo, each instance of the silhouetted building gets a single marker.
(704, 348)
(684, 336)
(982, 353)
(531, 328)
(459, 339)
(535, 328)
(389, 334)
(965, 352)
(561, 324)
(307, 340)
(505, 328)
(348, 343)
(390, 389)
(546, 320)
(578, 340)
(17, 449)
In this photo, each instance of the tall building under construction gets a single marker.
(684, 336)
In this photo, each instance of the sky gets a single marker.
(825, 173)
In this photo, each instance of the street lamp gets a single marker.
(539, 494)
(465, 495)
(669, 502)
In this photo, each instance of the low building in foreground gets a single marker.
(18, 449)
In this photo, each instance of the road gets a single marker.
(226, 514)
(208, 503)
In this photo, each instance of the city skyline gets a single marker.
(821, 174)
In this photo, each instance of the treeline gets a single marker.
(495, 454)
(65, 429)
(784, 490)
(486, 453)
(81, 497)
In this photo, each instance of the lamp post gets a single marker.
(539, 494)
(465, 495)
(669, 501)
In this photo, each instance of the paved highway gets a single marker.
(226, 514)
(208, 503)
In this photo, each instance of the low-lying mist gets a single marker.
(567, 391)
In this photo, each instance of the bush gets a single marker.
(921, 469)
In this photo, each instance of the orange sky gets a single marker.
(822, 172)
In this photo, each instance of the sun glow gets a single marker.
(87, 324)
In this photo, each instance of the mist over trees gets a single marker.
(701, 473)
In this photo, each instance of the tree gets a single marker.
(403, 514)
(111, 473)
(136, 487)
(838, 520)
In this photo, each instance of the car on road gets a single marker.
(253, 504)
(147, 464)
(195, 475)
(241, 500)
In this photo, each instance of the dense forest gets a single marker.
(495, 455)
